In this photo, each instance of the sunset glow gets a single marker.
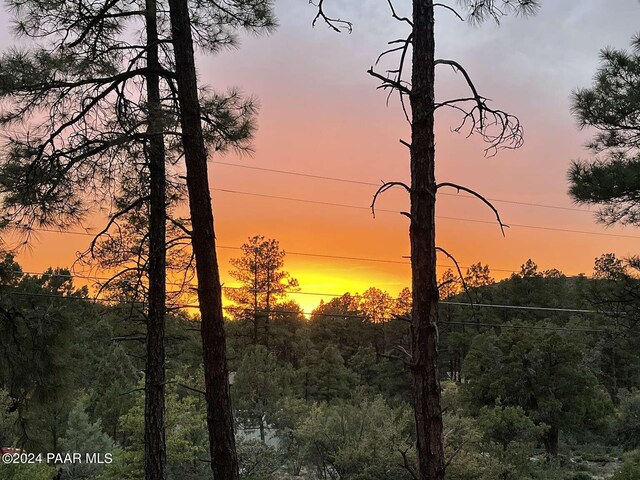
(321, 115)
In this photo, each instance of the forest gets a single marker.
(152, 354)
(548, 393)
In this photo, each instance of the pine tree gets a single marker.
(99, 131)
(84, 437)
(611, 105)
(255, 14)
(263, 282)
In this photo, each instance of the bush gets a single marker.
(628, 424)
(26, 472)
(258, 461)
(630, 469)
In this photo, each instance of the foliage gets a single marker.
(84, 437)
(322, 381)
(186, 437)
(542, 373)
(262, 282)
(505, 425)
(258, 461)
(28, 471)
(628, 422)
(611, 107)
(324, 376)
(630, 469)
(258, 384)
(359, 440)
(35, 325)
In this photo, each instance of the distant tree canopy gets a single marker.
(543, 373)
(263, 283)
(327, 395)
(612, 107)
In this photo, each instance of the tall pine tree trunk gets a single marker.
(224, 461)
(425, 377)
(154, 435)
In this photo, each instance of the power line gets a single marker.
(442, 217)
(228, 247)
(296, 174)
(486, 305)
(363, 317)
(326, 294)
(373, 184)
(301, 200)
(65, 297)
(528, 327)
(521, 307)
(231, 307)
(53, 230)
(343, 257)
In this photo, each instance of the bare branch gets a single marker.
(407, 465)
(181, 226)
(498, 128)
(455, 262)
(408, 215)
(383, 188)
(114, 217)
(130, 338)
(389, 83)
(395, 15)
(133, 390)
(334, 23)
(480, 197)
(403, 351)
(201, 392)
(451, 9)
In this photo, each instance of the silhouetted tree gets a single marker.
(498, 128)
(81, 82)
(256, 15)
(109, 115)
(611, 106)
(264, 283)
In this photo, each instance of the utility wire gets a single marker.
(326, 294)
(358, 182)
(302, 254)
(231, 307)
(528, 327)
(521, 307)
(342, 257)
(442, 217)
(317, 314)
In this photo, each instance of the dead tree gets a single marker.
(419, 104)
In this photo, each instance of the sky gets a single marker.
(320, 114)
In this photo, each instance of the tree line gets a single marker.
(526, 393)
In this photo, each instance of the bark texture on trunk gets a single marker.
(154, 433)
(224, 461)
(425, 376)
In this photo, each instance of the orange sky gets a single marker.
(320, 114)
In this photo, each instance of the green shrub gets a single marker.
(630, 469)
